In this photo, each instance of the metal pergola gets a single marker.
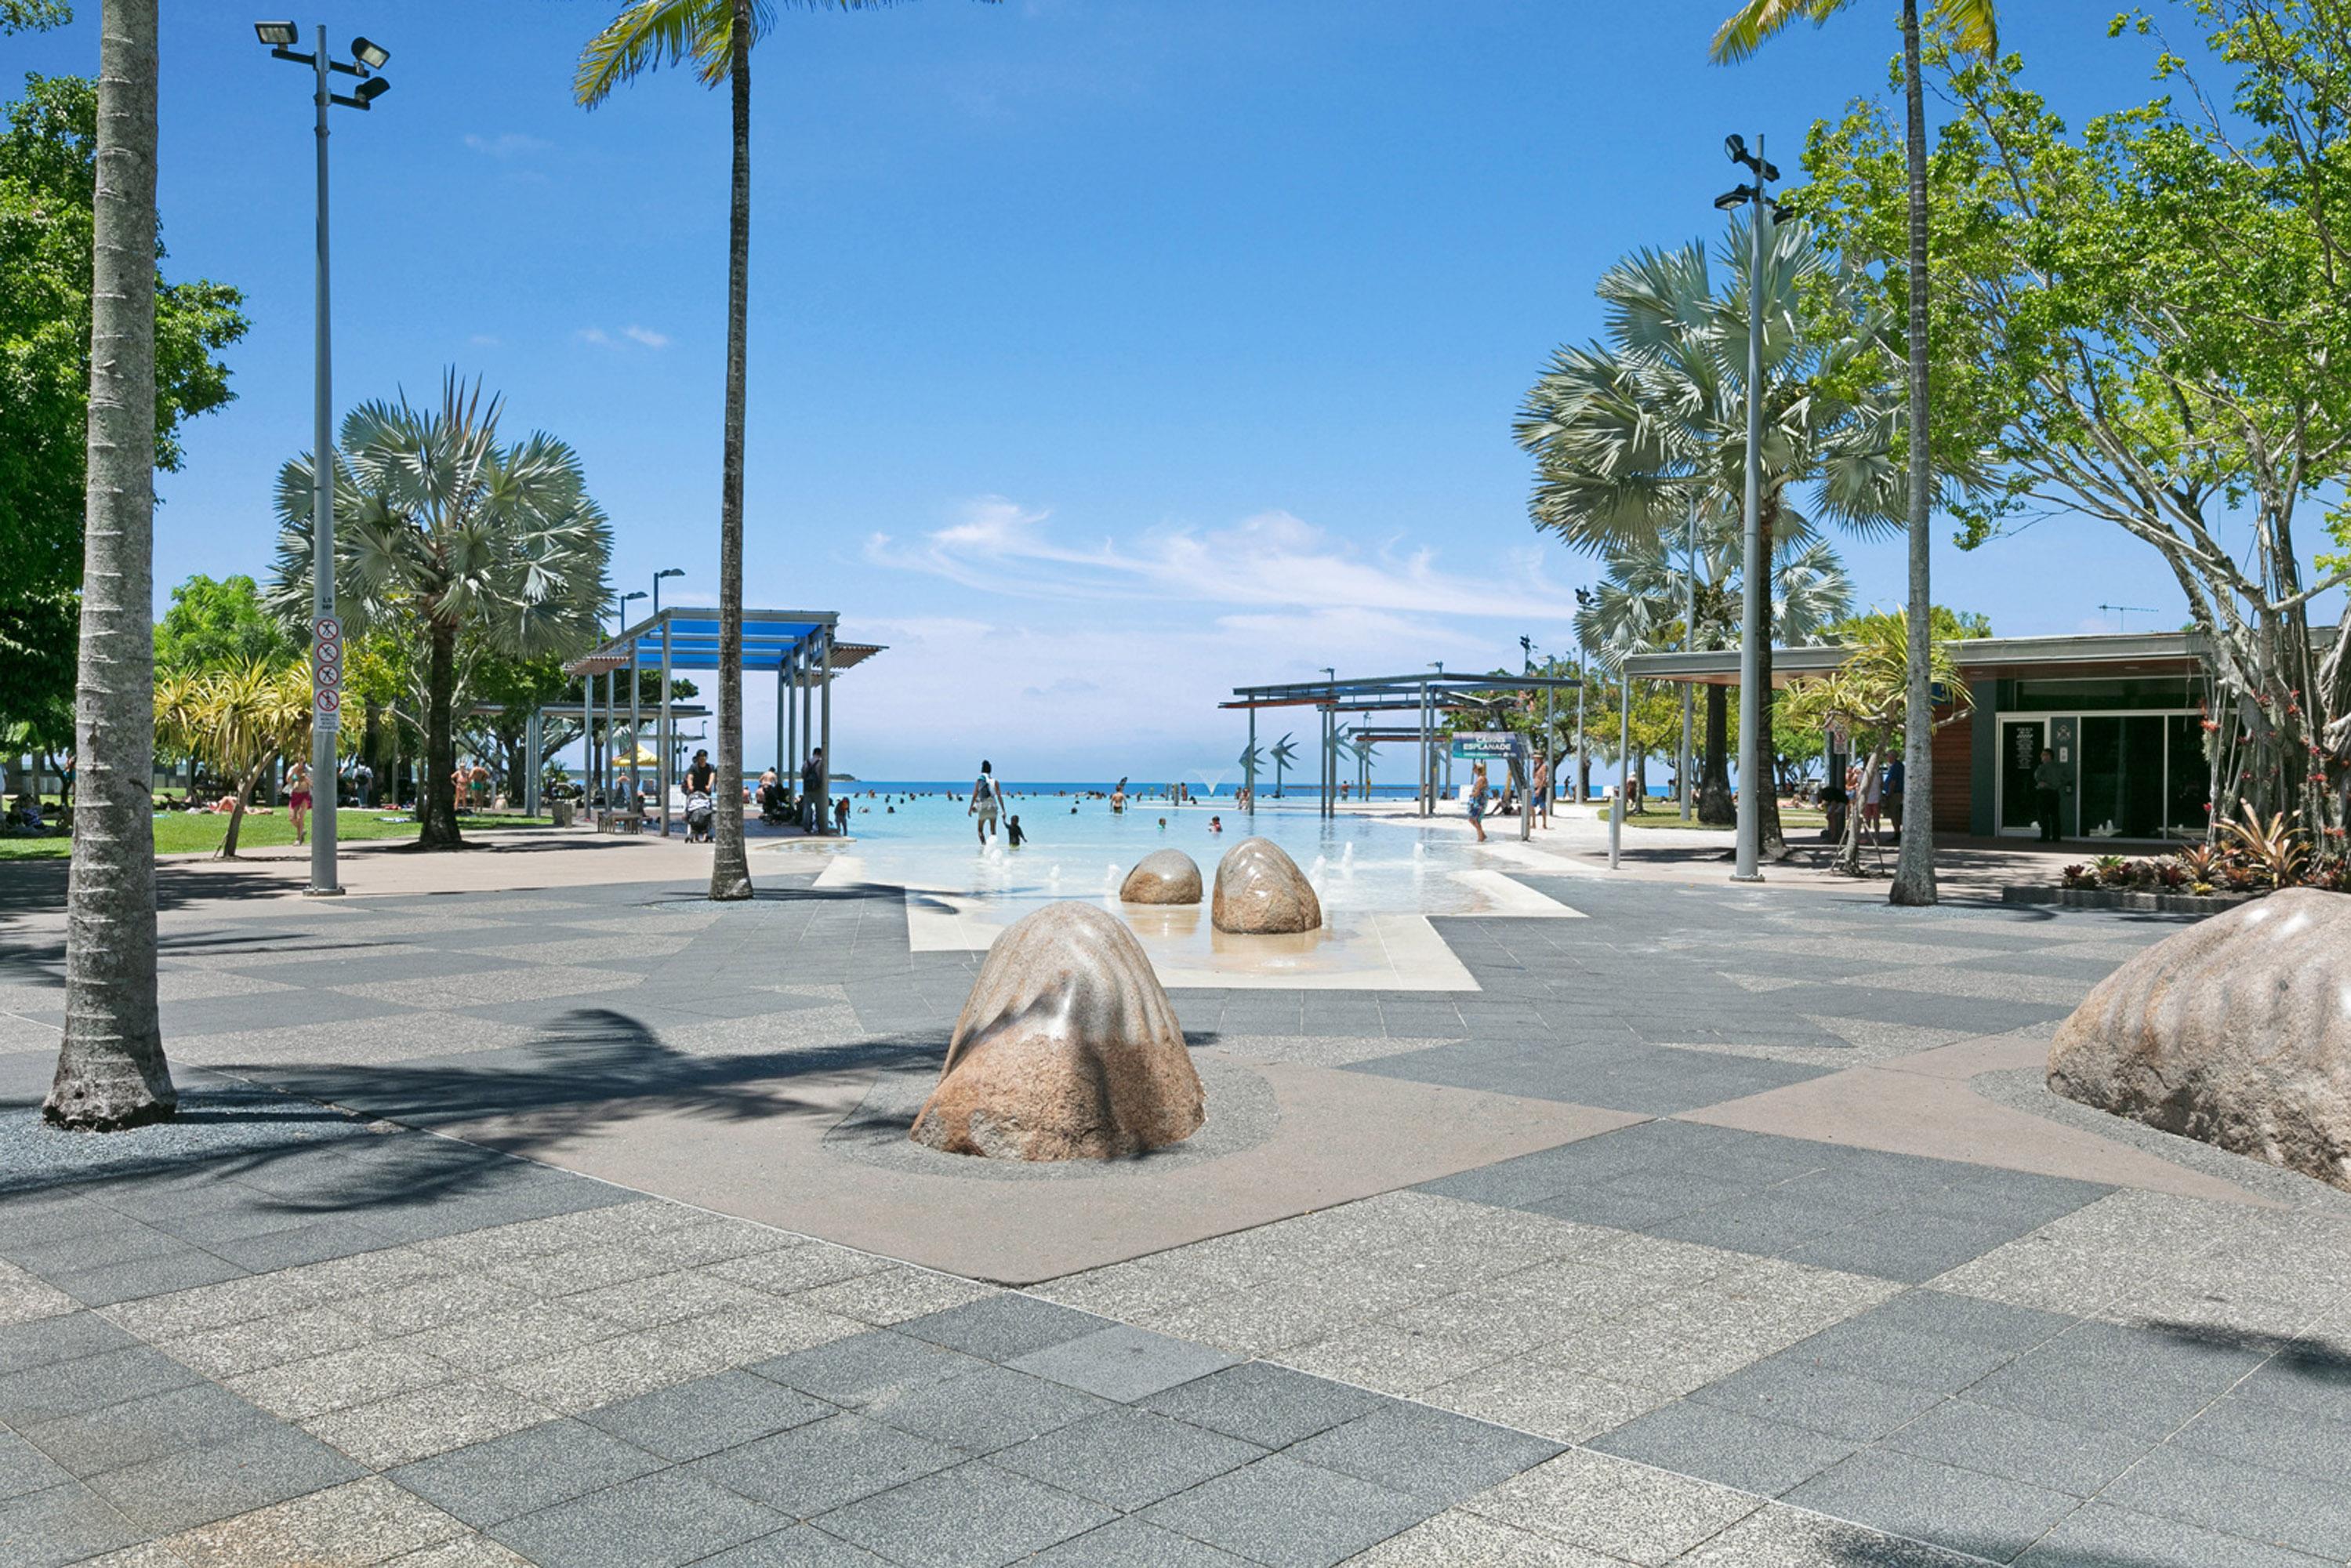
(1426, 694)
(801, 647)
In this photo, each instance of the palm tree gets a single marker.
(1973, 26)
(437, 522)
(110, 1067)
(718, 36)
(243, 718)
(1285, 752)
(1631, 434)
(1869, 696)
(1643, 593)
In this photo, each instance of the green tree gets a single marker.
(48, 181)
(1869, 696)
(1973, 25)
(2142, 323)
(717, 37)
(438, 522)
(242, 717)
(1634, 436)
(213, 624)
(111, 1070)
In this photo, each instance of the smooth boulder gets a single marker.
(1261, 892)
(1067, 1049)
(1166, 876)
(2236, 1032)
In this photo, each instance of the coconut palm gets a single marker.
(110, 1067)
(1973, 26)
(1644, 594)
(717, 37)
(438, 522)
(243, 718)
(1633, 433)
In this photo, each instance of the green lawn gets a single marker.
(1667, 814)
(201, 833)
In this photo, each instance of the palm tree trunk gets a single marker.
(1715, 806)
(437, 794)
(227, 851)
(110, 1067)
(730, 870)
(1913, 868)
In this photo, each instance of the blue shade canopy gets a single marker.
(770, 639)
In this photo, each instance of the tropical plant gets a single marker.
(2274, 849)
(1632, 435)
(1971, 25)
(111, 1069)
(242, 718)
(1869, 696)
(717, 37)
(1285, 752)
(501, 545)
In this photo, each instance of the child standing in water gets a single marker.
(1013, 837)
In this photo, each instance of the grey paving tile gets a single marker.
(863, 1366)
(690, 1420)
(1127, 1457)
(60, 1389)
(1995, 1324)
(25, 1469)
(524, 1471)
(1260, 1403)
(801, 1546)
(2297, 1511)
(2253, 1433)
(181, 1269)
(1122, 1363)
(198, 1415)
(1725, 1445)
(2101, 1537)
(2126, 1380)
(1431, 1455)
(1868, 1346)
(1288, 1514)
(62, 1524)
(1131, 1544)
(1003, 1327)
(61, 1338)
(2312, 1376)
(1988, 1516)
(659, 1521)
(973, 1516)
(196, 1486)
(2054, 1454)
(1789, 1390)
(984, 1410)
(812, 1469)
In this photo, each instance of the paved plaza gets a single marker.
(576, 1226)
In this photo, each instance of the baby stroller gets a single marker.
(774, 807)
(698, 818)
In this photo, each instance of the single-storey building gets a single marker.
(2124, 714)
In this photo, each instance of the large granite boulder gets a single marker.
(1166, 876)
(1067, 1049)
(2236, 1032)
(1260, 891)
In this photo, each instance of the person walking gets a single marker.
(1872, 781)
(987, 802)
(812, 775)
(1478, 800)
(1541, 792)
(2048, 785)
(297, 800)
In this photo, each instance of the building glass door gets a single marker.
(2021, 740)
(2121, 793)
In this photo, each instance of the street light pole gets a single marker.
(1689, 641)
(1754, 585)
(326, 628)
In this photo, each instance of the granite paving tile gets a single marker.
(1288, 1514)
(193, 1416)
(1725, 1445)
(2300, 1511)
(1965, 1510)
(1127, 1457)
(853, 1370)
(812, 1469)
(525, 1471)
(1624, 1510)
(1122, 1363)
(414, 1426)
(973, 1516)
(660, 1520)
(2099, 1536)
(1259, 1402)
(691, 1420)
(1432, 1455)
(62, 1524)
(54, 1389)
(2057, 1455)
(1003, 1326)
(358, 1523)
(196, 1486)
(989, 1408)
(1132, 1543)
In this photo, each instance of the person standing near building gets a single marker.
(812, 775)
(2048, 784)
(1894, 793)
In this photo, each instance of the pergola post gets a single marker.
(790, 677)
(1248, 761)
(780, 719)
(531, 763)
(664, 725)
(808, 716)
(636, 727)
(824, 774)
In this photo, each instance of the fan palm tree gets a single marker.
(437, 521)
(1973, 26)
(1639, 605)
(717, 37)
(1631, 435)
(110, 1067)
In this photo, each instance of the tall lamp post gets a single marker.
(326, 628)
(1754, 583)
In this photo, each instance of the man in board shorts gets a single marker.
(984, 801)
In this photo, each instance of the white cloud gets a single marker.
(594, 335)
(511, 144)
(647, 336)
(1271, 559)
(483, 340)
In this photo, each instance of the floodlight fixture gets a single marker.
(371, 90)
(1735, 147)
(372, 56)
(276, 35)
(1731, 201)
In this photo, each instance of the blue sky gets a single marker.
(1105, 353)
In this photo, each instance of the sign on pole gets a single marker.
(327, 672)
(1489, 746)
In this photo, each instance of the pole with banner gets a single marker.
(325, 726)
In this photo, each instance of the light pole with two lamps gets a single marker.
(1752, 766)
(326, 629)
